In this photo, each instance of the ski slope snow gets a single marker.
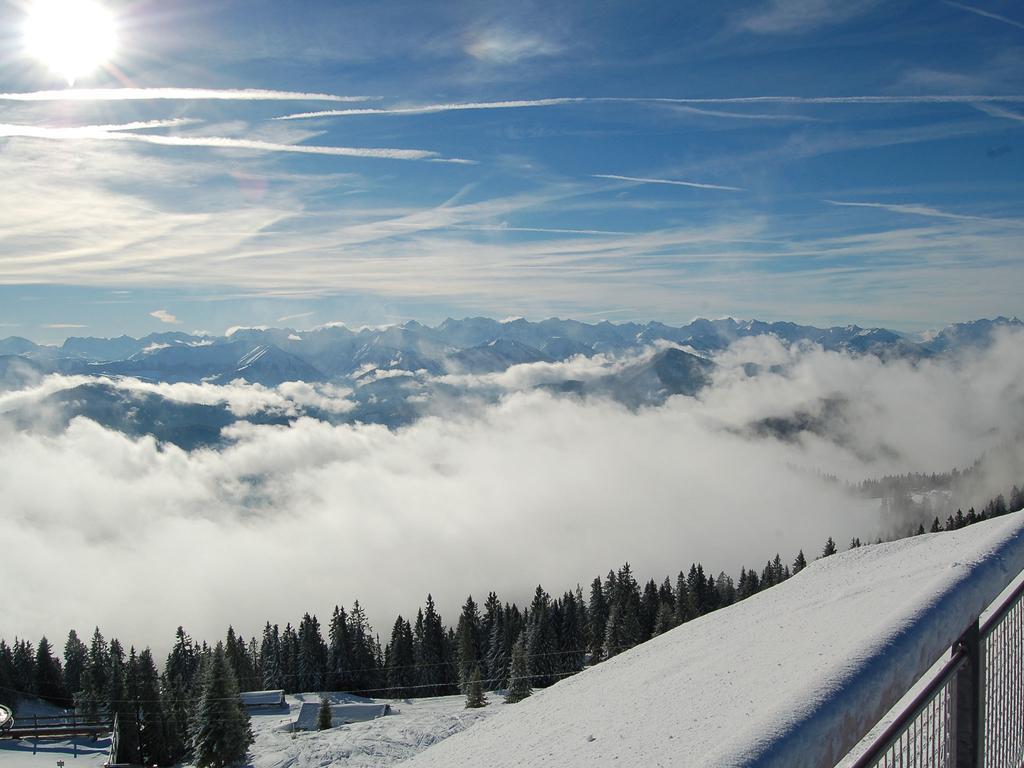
(790, 677)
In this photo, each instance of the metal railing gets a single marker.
(971, 714)
(1002, 709)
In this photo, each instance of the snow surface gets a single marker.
(790, 677)
(412, 726)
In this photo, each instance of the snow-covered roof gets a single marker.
(352, 712)
(787, 678)
(262, 698)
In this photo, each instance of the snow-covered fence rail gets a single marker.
(53, 727)
(971, 713)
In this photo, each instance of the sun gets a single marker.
(71, 37)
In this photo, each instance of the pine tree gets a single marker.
(491, 612)
(830, 548)
(89, 699)
(49, 678)
(467, 643)
(799, 563)
(648, 610)
(362, 650)
(684, 600)
(181, 680)
(290, 658)
(270, 658)
(338, 651)
(541, 640)
(431, 651)
(324, 718)
(475, 698)
(76, 656)
(571, 655)
(155, 747)
(936, 526)
(121, 707)
(519, 674)
(220, 731)
(665, 620)
(499, 649)
(312, 655)
(598, 618)
(24, 665)
(697, 584)
(401, 660)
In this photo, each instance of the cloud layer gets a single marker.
(532, 488)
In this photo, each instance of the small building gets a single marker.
(341, 714)
(261, 699)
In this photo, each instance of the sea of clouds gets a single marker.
(138, 537)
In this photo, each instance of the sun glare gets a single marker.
(71, 37)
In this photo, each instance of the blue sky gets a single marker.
(818, 161)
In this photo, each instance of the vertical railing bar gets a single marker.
(919, 759)
(1019, 686)
(1015, 679)
(931, 734)
(1002, 739)
(999, 736)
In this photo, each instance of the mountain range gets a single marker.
(392, 375)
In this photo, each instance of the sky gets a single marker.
(260, 163)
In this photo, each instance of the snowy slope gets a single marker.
(411, 727)
(755, 684)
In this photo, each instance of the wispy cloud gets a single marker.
(935, 98)
(114, 133)
(682, 104)
(497, 46)
(986, 14)
(141, 125)
(427, 109)
(543, 230)
(673, 182)
(164, 316)
(299, 316)
(746, 115)
(789, 16)
(997, 111)
(64, 325)
(177, 94)
(916, 209)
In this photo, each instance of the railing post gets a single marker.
(969, 692)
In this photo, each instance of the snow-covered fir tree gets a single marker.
(220, 730)
(324, 718)
(519, 674)
(475, 690)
